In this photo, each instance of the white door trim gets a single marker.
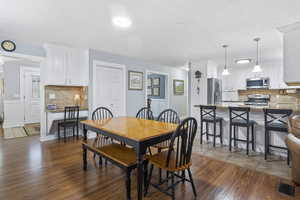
(167, 85)
(23, 70)
(110, 65)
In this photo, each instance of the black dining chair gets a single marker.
(101, 113)
(177, 159)
(71, 120)
(145, 113)
(168, 116)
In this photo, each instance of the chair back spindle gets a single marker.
(145, 113)
(71, 113)
(169, 116)
(102, 113)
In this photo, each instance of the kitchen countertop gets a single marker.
(60, 110)
(294, 107)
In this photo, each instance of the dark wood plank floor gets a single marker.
(53, 170)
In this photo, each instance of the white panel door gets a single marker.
(31, 90)
(109, 89)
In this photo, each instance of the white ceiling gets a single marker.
(163, 31)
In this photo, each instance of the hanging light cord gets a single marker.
(225, 47)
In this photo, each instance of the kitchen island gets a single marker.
(256, 114)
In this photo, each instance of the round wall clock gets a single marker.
(8, 45)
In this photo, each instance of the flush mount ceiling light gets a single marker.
(122, 22)
(257, 67)
(225, 70)
(243, 61)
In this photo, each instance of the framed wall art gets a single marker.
(178, 87)
(135, 80)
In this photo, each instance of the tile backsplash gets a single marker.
(63, 96)
(280, 96)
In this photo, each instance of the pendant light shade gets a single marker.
(257, 67)
(225, 70)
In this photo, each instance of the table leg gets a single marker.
(84, 133)
(140, 151)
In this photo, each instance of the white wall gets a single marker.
(200, 98)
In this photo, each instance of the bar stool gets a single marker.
(208, 115)
(239, 117)
(275, 120)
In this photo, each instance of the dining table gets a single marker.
(137, 133)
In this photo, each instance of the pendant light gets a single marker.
(225, 70)
(257, 67)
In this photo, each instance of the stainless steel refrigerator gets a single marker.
(214, 91)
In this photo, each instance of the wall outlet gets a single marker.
(52, 96)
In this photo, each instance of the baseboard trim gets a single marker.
(12, 124)
(54, 137)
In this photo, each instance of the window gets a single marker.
(35, 87)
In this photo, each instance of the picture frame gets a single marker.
(135, 80)
(156, 91)
(155, 81)
(149, 91)
(178, 87)
(149, 82)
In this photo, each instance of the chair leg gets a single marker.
(201, 132)
(253, 139)
(128, 184)
(183, 175)
(100, 160)
(65, 136)
(173, 186)
(73, 130)
(247, 140)
(215, 133)
(84, 157)
(192, 182)
(77, 130)
(207, 130)
(288, 157)
(149, 180)
(58, 132)
(160, 180)
(230, 136)
(266, 144)
(221, 132)
(234, 136)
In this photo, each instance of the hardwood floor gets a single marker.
(53, 170)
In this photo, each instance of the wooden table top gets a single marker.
(132, 128)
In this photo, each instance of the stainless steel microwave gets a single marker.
(257, 83)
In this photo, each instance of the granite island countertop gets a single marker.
(294, 107)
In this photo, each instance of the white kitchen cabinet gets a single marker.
(64, 66)
(291, 53)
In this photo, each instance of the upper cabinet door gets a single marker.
(291, 54)
(55, 66)
(66, 66)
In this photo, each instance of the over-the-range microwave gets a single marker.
(258, 83)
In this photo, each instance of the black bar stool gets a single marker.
(276, 120)
(208, 115)
(239, 117)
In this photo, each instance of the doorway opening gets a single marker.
(157, 91)
(20, 100)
